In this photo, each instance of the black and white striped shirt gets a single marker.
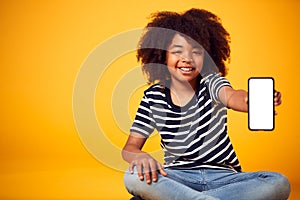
(193, 136)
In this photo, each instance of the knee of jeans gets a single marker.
(131, 181)
(280, 179)
(281, 184)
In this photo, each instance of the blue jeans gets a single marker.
(210, 184)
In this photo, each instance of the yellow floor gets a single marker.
(68, 182)
(75, 181)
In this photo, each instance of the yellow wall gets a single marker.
(44, 45)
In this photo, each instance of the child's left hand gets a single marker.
(277, 99)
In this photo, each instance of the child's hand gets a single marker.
(148, 166)
(277, 99)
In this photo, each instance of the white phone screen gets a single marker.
(261, 103)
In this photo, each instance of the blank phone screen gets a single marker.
(261, 103)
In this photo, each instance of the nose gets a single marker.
(186, 59)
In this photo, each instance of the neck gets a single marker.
(182, 93)
(184, 87)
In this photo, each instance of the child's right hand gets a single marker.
(147, 166)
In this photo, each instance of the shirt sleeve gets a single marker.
(216, 82)
(143, 122)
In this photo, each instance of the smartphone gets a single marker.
(261, 104)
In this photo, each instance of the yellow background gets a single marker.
(43, 45)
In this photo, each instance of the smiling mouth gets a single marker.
(186, 69)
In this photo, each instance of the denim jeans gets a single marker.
(210, 184)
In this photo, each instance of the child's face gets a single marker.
(184, 59)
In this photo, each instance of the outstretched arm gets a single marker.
(238, 99)
(234, 99)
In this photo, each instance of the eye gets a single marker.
(198, 52)
(177, 52)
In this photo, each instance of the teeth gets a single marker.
(186, 69)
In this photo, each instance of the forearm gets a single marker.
(238, 100)
(234, 99)
(133, 147)
(130, 152)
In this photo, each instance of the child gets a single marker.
(185, 56)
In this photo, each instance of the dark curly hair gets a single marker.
(197, 24)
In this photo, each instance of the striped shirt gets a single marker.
(193, 136)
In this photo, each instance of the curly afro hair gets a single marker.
(195, 24)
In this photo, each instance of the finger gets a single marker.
(139, 168)
(131, 166)
(277, 103)
(276, 92)
(161, 170)
(277, 98)
(147, 172)
(153, 167)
